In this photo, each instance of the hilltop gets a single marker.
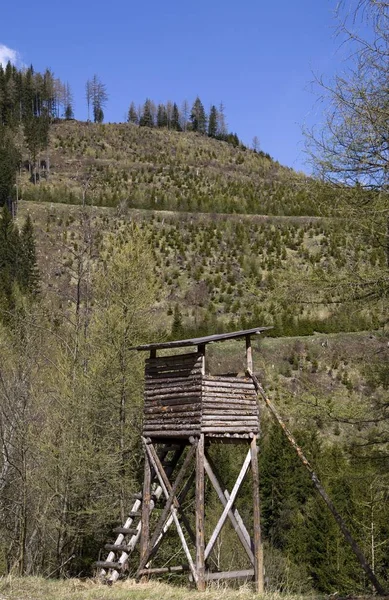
(141, 167)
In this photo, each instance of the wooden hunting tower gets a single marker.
(186, 410)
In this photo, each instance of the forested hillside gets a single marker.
(165, 227)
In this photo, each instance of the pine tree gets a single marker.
(133, 115)
(9, 161)
(175, 124)
(9, 262)
(147, 118)
(213, 122)
(162, 120)
(198, 117)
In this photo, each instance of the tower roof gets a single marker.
(201, 341)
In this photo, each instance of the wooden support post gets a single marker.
(165, 484)
(200, 514)
(145, 519)
(166, 511)
(258, 549)
(201, 350)
(249, 353)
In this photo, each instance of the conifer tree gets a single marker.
(133, 115)
(198, 117)
(9, 161)
(162, 118)
(175, 124)
(147, 118)
(213, 122)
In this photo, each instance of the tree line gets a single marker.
(185, 118)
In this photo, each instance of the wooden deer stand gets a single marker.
(187, 408)
(185, 411)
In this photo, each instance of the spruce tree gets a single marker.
(147, 118)
(213, 122)
(9, 161)
(162, 120)
(198, 117)
(133, 115)
(176, 118)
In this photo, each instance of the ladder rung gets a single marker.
(117, 548)
(132, 515)
(125, 531)
(106, 564)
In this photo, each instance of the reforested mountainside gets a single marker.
(141, 167)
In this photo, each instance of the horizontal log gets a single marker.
(158, 364)
(171, 375)
(171, 424)
(221, 398)
(228, 429)
(193, 417)
(229, 418)
(170, 401)
(229, 411)
(165, 399)
(168, 410)
(234, 393)
(174, 368)
(161, 570)
(227, 383)
(246, 574)
(164, 390)
(188, 356)
(158, 382)
(227, 379)
(170, 433)
(233, 407)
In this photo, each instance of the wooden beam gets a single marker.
(233, 514)
(258, 549)
(200, 514)
(228, 506)
(162, 477)
(145, 518)
(249, 353)
(318, 485)
(246, 574)
(165, 513)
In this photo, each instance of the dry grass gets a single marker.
(34, 588)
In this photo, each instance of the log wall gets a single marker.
(172, 405)
(180, 401)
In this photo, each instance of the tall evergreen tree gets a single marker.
(213, 122)
(9, 161)
(198, 117)
(162, 119)
(133, 115)
(175, 124)
(147, 118)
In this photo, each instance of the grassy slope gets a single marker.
(31, 588)
(165, 170)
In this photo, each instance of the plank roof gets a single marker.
(201, 341)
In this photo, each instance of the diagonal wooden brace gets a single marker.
(166, 511)
(228, 505)
(165, 484)
(233, 514)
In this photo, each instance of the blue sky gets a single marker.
(257, 57)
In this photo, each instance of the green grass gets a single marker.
(34, 588)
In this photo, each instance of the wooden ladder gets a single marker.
(129, 534)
